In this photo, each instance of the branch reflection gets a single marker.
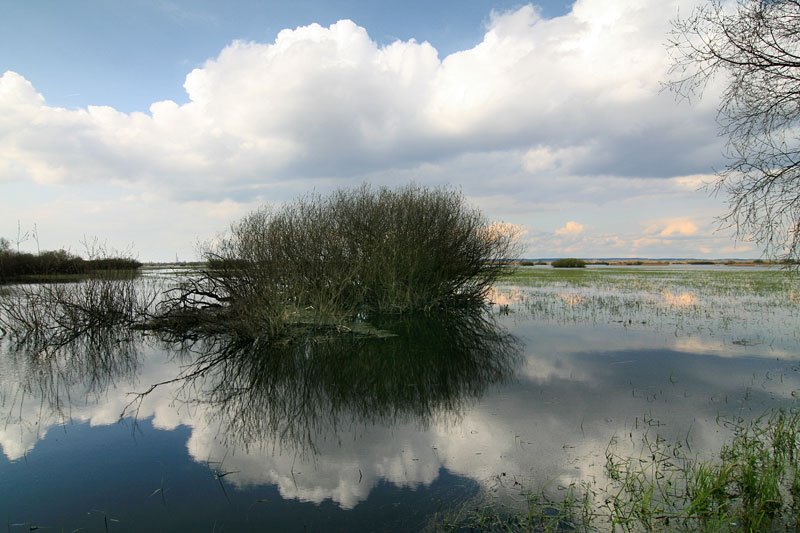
(293, 393)
(60, 370)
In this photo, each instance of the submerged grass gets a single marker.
(754, 485)
(746, 307)
(718, 280)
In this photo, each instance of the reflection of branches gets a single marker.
(92, 361)
(290, 388)
(47, 316)
(63, 336)
(294, 392)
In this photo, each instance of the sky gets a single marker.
(151, 126)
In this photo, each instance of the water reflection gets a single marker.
(96, 359)
(51, 379)
(338, 419)
(296, 392)
(682, 299)
(259, 393)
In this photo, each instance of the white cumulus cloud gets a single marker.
(330, 101)
(538, 112)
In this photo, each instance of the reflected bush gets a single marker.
(55, 314)
(292, 393)
(62, 370)
(324, 259)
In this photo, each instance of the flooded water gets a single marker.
(121, 432)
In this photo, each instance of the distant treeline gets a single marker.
(14, 265)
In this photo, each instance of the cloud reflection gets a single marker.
(330, 419)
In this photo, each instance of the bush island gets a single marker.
(356, 251)
(569, 262)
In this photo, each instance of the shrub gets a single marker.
(17, 264)
(568, 262)
(355, 251)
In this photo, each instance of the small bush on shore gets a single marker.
(569, 262)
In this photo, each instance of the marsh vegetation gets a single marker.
(325, 262)
(568, 262)
(746, 307)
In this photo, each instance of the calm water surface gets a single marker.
(384, 433)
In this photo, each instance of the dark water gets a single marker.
(384, 433)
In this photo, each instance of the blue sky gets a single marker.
(130, 54)
(156, 124)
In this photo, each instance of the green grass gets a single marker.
(771, 277)
(753, 485)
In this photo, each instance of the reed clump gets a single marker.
(326, 259)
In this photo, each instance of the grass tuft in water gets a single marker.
(754, 485)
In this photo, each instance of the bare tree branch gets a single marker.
(755, 46)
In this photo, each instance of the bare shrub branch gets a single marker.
(323, 260)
